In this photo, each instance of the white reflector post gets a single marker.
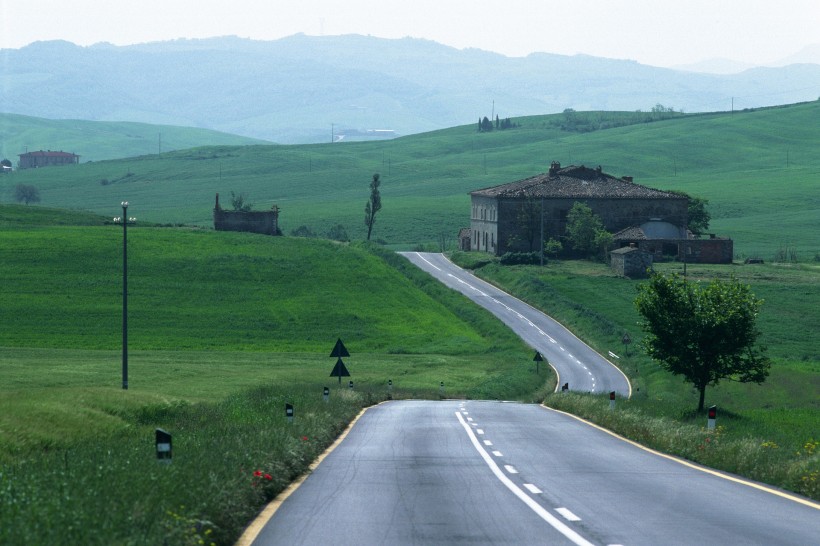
(289, 412)
(326, 394)
(164, 448)
(612, 400)
(710, 424)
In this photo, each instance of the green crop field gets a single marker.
(759, 170)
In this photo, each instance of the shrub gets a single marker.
(520, 258)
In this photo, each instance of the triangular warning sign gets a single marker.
(538, 357)
(339, 350)
(339, 370)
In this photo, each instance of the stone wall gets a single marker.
(264, 222)
(616, 214)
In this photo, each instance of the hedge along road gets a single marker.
(576, 364)
(480, 472)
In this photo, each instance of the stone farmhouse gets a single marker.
(509, 217)
(32, 160)
(264, 222)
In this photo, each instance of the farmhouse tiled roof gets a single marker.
(575, 182)
(48, 153)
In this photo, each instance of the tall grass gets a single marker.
(229, 458)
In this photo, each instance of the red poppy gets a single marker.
(268, 477)
(258, 473)
(304, 438)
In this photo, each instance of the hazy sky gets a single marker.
(657, 32)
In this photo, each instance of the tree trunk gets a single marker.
(702, 389)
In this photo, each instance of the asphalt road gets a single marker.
(576, 364)
(471, 472)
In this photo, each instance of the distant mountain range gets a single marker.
(313, 89)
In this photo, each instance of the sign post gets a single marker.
(626, 340)
(538, 360)
(340, 371)
(339, 350)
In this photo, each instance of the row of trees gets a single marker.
(485, 125)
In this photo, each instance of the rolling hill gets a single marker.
(758, 169)
(304, 89)
(99, 140)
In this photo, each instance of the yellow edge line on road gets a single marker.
(256, 526)
(717, 473)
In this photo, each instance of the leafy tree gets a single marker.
(585, 230)
(374, 204)
(704, 333)
(486, 124)
(699, 217)
(553, 247)
(338, 233)
(303, 231)
(24, 193)
(238, 203)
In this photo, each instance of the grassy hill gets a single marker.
(758, 169)
(100, 140)
(200, 300)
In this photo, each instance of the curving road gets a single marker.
(575, 362)
(471, 472)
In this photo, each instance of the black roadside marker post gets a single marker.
(441, 389)
(163, 444)
(390, 389)
(289, 412)
(565, 387)
(326, 394)
(538, 360)
(710, 424)
(350, 384)
(612, 400)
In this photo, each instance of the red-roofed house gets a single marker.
(31, 160)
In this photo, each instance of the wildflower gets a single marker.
(304, 438)
(258, 473)
(268, 477)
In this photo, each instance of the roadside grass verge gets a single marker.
(761, 460)
(229, 458)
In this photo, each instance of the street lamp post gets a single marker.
(124, 220)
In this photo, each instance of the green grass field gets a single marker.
(757, 168)
(101, 140)
(224, 329)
